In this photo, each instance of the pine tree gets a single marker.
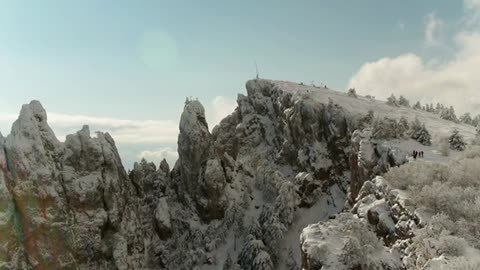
(424, 136)
(476, 120)
(466, 119)
(419, 132)
(456, 141)
(417, 106)
(392, 100)
(352, 93)
(251, 249)
(287, 202)
(402, 126)
(449, 114)
(403, 101)
(291, 262)
(262, 261)
(384, 129)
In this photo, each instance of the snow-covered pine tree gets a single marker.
(262, 261)
(352, 93)
(417, 106)
(476, 140)
(403, 101)
(466, 118)
(476, 120)
(424, 136)
(449, 114)
(291, 262)
(432, 110)
(273, 231)
(402, 126)
(392, 100)
(385, 128)
(255, 229)
(419, 132)
(456, 141)
(252, 248)
(287, 202)
(230, 264)
(367, 120)
(438, 108)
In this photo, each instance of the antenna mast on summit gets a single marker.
(256, 69)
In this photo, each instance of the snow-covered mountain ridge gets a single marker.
(237, 198)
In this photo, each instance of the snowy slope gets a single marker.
(438, 127)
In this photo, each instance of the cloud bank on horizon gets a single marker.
(451, 82)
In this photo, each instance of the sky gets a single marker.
(126, 67)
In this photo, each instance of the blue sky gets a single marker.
(138, 60)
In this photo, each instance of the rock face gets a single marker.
(368, 158)
(375, 233)
(69, 205)
(238, 188)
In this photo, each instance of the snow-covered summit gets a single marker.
(361, 105)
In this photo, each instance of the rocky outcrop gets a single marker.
(194, 144)
(379, 219)
(369, 157)
(72, 204)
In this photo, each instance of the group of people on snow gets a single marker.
(418, 154)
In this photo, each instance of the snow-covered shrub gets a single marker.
(452, 245)
(456, 141)
(472, 152)
(345, 242)
(352, 93)
(452, 191)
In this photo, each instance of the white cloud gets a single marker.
(433, 29)
(158, 155)
(451, 82)
(219, 108)
(401, 26)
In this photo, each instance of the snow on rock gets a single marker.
(344, 243)
(163, 219)
(236, 198)
(368, 158)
